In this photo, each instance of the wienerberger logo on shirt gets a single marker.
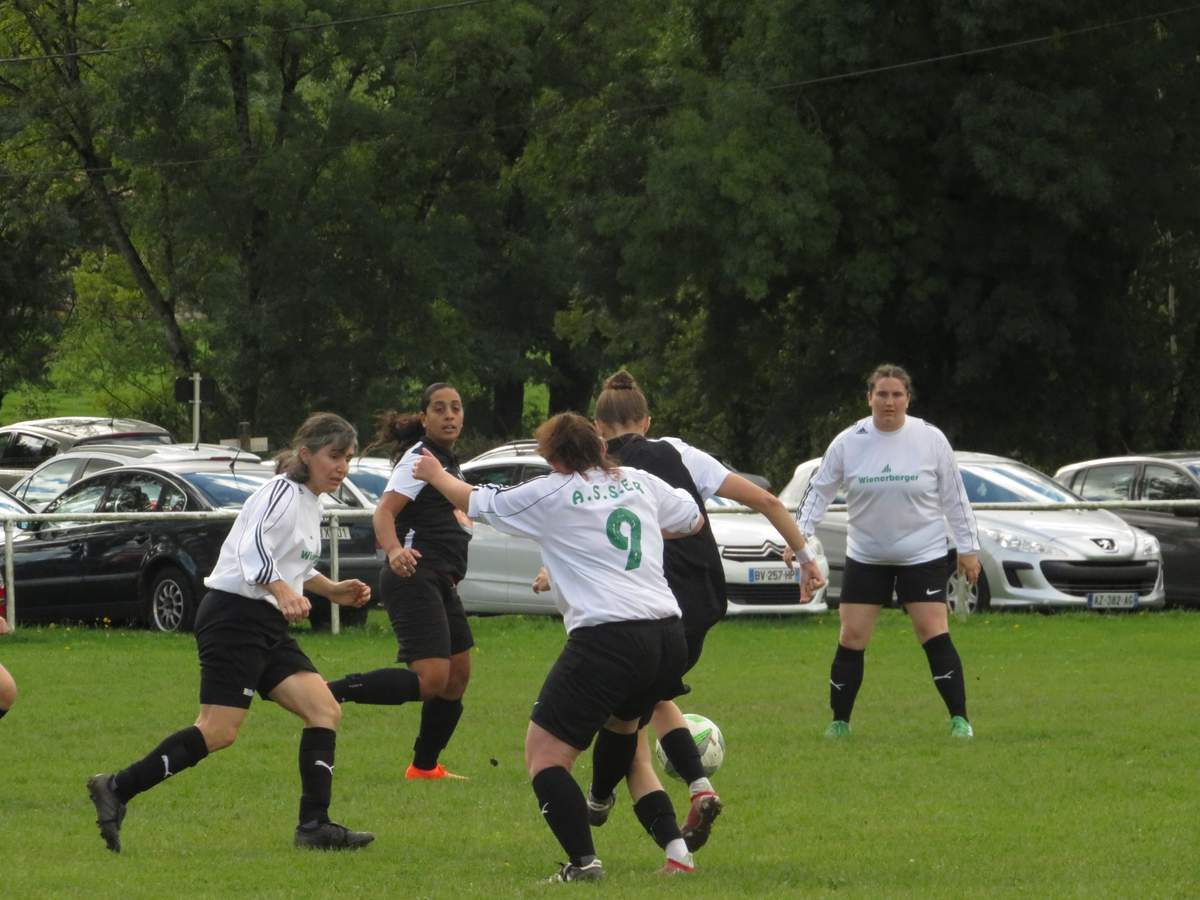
(886, 475)
(309, 556)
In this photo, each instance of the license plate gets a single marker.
(343, 533)
(1112, 600)
(763, 576)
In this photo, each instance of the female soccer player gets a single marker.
(901, 480)
(601, 530)
(255, 590)
(697, 579)
(425, 540)
(8, 687)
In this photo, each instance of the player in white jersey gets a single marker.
(8, 687)
(696, 577)
(256, 588)
(601, 528)
(902, 486)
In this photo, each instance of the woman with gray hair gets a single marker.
(256, 589)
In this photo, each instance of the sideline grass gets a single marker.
(1081, 780)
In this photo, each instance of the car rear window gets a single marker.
(370, 483)
(228, 490)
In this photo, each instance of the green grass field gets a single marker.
(1082, 780)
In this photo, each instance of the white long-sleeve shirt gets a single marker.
(899, 486)
(275, 537)
(601, 538)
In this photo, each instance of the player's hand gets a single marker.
(426, 467)
(811, 580)
(403, 561)
(789, 557)
(968, 567)
(541, 583)
(5, 628)
(351, 592)
(295, 607)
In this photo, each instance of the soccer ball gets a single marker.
(709, 742)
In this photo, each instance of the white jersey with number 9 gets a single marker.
(601, 538)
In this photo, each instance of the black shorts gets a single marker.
(245, 646)
(875, 583)
(427, 614)
(619, 669)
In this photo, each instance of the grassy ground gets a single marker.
(1081, 781)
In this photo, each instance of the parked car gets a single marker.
(26, 445)
(151, 571)
(501, 567)
(1152, 476)
(59, 472)
(1030, 558)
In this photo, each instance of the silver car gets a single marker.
(502, 567)
(1085, 559)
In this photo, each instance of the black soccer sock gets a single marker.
(384, 687)
(657, 815)
(947, 672)
(680, 747)
(439, 718)
(179, 751)
(612, 755)
(845, 678)
(565, 811)
(3, 713)
(317, 747)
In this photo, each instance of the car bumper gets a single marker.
(748, 595)
(1030, 582)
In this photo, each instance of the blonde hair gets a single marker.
(888, 370)
(621, 402)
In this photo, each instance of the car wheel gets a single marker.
(978, 595)
(172, 604)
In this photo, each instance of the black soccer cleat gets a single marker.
(331, 836)
(593, 871)
(110, 811)
(697, 827)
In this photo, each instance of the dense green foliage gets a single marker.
(542, 190)
(1080, 781)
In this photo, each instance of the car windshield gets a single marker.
(225, 489)
(10, 504)
(370, 482)
(1011, 483)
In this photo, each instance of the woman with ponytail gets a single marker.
(425, 540)
(697, 579)
(601, 528)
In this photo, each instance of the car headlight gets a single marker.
(1009, 541)
(1147, 545)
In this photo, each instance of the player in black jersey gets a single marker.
(425, 540)
(697, 579)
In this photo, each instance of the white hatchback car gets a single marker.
(501, 567)
(1031, 558)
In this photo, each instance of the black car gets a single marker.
(153, 571)
(26, 445)
(1152, 476)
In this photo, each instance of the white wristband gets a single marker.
(805, 555)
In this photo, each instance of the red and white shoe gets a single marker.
(706, 806)
(675, 867)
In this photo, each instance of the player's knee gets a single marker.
(433, 684)
(325, 713)
(218, 736)
(8, 691)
